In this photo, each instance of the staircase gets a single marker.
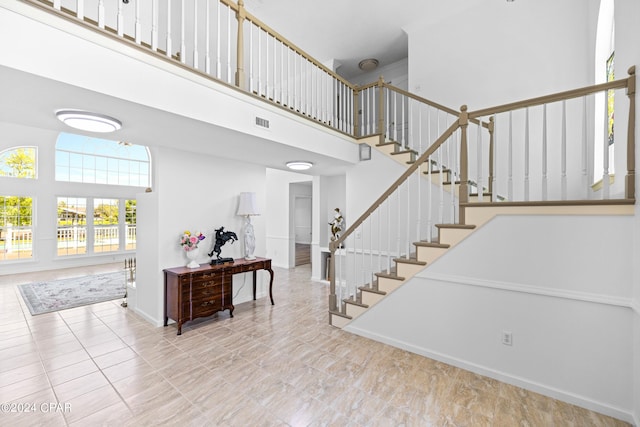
(425, 252)
(427, 210)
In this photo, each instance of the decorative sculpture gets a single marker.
(222, 237)
(336, 225)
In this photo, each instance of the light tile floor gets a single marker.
(268, 366)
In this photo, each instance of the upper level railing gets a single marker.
(221, 40)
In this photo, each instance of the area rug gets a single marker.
(45, 297)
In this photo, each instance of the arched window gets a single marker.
(19, 162)
(100, 161)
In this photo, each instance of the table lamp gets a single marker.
(247, 207)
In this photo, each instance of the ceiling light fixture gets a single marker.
(85, 120)
(369, 64)
(299, 165)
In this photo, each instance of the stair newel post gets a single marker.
(630, 179)
(356, 111)
(380, 125)
(463, 122)
(333, 300)
(240, 16)
(491, 129)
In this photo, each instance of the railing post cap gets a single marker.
(632, 70)
(463, 108)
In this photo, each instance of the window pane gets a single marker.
(106, 229)
(100, 161)
(18, 162)
(72, 230)
(16, 233)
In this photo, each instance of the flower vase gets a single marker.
(192, 255)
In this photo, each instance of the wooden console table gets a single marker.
(190, 293)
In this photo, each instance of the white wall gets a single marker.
(544, 280)
(197, 193)
(627, 55)
(498, 52)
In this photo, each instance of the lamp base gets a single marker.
(219, 261)
(250, 257)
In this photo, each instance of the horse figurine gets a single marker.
(222, 237)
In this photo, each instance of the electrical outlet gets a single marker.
(507, 338)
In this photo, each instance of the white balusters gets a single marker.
(207, 38)
(183, 47)
(510, 159)
(56, 4)
(605, 151)
(480, 161)
(169, 46)
(80, 9)
(526, 155)
(544, 152)
(494, 172)
(195, 34)
(137, 27)
(229, 74)
(584, 150)
(218, 43)
(101, 13)
(563, 155)
(154, 25)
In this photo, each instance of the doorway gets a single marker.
(302, 228)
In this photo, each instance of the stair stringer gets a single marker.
(479, 216)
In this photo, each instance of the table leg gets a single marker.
(254, 284)
(271, 286)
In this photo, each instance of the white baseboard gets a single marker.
(155, 322)
(562, 395)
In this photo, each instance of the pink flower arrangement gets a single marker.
(190, 241)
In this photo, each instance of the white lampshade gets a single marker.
(247, 205)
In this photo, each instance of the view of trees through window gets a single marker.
(18, 162)
(85, 225)
(16, 233)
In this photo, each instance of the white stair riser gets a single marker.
(402, 158)
(451, 236)
(435, 178)
(387, 149)
(370, 298)
(339, 322)
(388, 285)
(428, 254)
(355, 310)
(408, 270)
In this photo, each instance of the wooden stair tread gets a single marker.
(337, 313)
(373, 291)
(389, 276)
(432, 245)
(461, 226)
(409, 261)
(407, 151)
(354, 302)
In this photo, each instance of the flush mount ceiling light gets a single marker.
(85, 120)
(299, 165)
(369, 64)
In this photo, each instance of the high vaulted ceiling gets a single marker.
(353, 30)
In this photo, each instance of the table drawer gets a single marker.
(206, 307)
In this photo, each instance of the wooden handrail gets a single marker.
(423, 158)
(575, 93)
